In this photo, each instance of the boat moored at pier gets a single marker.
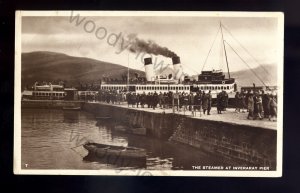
(103, 150)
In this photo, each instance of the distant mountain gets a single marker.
(51, 66)
(266, 74)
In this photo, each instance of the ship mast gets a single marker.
(223, 41)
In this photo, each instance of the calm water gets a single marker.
(52, 139)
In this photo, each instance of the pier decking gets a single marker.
(228, 116)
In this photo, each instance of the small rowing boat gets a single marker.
(71, 108)
(103, 150)
(103, 118)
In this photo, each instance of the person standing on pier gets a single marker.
(124, 97)
(113, 97)
(180, 100)
(198, 101)
(219, 103)
(164, 100)
(203, 95)
(255, 109)
(185, 100)
(243, 99)
(237, 102)
(133, 99)
(138, 100)
(191, 101)
(155, 99)
(225, 100)
(246, 99)
(257, 106)
(250, 105)
(160, 99)
(107, 98)
(143, 99)
(209, 102)
(206, 103)
(169, 99)
(148, 100)
(273, 107)
(128, 98)
(119, 97)
(176, 99)
(265, 103)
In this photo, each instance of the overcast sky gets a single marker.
(189, 37)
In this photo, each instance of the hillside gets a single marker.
(51, 66)
(266, 73)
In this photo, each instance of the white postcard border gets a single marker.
(229, 173)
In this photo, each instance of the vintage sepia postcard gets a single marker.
(148, 93)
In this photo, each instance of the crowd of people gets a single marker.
(181, 101)
(111, 96)
(258, 104)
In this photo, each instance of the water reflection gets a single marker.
(119, 161)
(71, 116)
(52, 139)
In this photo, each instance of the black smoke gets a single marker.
(138, 45)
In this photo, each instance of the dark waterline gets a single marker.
(52, 139)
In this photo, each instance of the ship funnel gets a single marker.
(149, 69)
(178, 72)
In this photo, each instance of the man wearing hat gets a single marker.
(258, 108)
(273, 107)
(198, 101)
(155, 100)
(206, 102)
(176, 99)
(250, 105)
(265, 103)
(209, 102)
(219, 103)
(133, 99)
